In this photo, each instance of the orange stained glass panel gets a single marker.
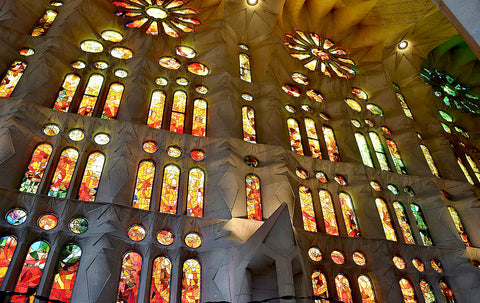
(44, 23)
(89, 100)
(66, 274)
(308, 212)
(351, 223)
(459, 226)
(328, 211)
(344, 292)
(112, 103)
(129, 278)
(8, 244)
(91, 177)
(245, 71)
(169, 197)
(67, 92)
(397, 158)
(191, 281)
(313, 138)
(254, 197)
(161, 275)
(295, 136)
(63, 173)
(430, 161)
(144, 185)
(404, 223)
(47, 221)
(177, 122)
(248, 120)
(157, 106)
(407, 291)
(199, 127)
(319, 284)
(11, 78)
(332, 148)
(446, 292)
(196, 191)
(427, 292)
(366, 289)
(36, 168)
(386, 220)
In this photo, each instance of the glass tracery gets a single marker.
(169, 197)
(386, 219)
(332, 148)
(90, 96)
(112, 103)
(308, 212)
(421, 224)
(129, 278)
(349, 216)
(364, 150)
(63, 173)
(313, 138)
(328, 211)
(44, 24)
(248, 122)
(161, 275)
(191, 281)
(459, 226)
(157, 106)
(91, 177)
(344, 292)
(366, 289)
(8, 244)
(196, 192)
(404, 223)
(67, 93)
(319, 284)
(64, 280)
(144, 185)
(254, 198)
(36, 168)
(295, 136)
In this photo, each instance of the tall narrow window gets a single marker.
(169, 198)
(404, 224)
(129, 278)
(31, 272)
(112, 103)
(328, 211)
(397, 158)
(386, 220)
(344, 292)
(91, 177)
(63, 174)
(313, 138)
(422, 226)
(161, 275)
(430, 161)
(319, 284)
(351, 224)
(245, 71)
(364, 150)
(332, 148)
(295, 136)
(459, 226)
(11, 78)
(465, 171)
(89, 100)
(446, 292)
(366, 289)
(44, 23)
(144, 185)
(379, 151)
(196, 192)
(8, 244)
(308, 212)
(427, 292)
(36, 168)
(67, 92)
(254, 198)
(407, 291)
(248, 120)
(199, 125)
(404, 106)
(474, 166)
(191, 281)
(67, 268)
(177, 123)
(157, 106)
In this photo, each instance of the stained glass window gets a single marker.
(162, 272)
(31, 272)
(379, 151)
(8, 244)
(315, 254)
(427, 292)
(112, 103)
(144, 185)
(459, 226)
(407, 291)
(90, 96)
(474, 166)
(63, 174)
(308, 212)
(199, 124)
(422, 226)
(248, 120)
(157, 106)
(404, 106)
(364, 150)
(344, 292)
(169, 198)
(396, 157)
(245, 72)
(36, 168)
(351, 223)
(11, 78)
(44, 23)
(430, 161)
(328, 211)
(366, 289)
(191, 281)
(91, 177)
(196, 192)
(129, 278)
(254, 197)
(319, 284)
(446, 292)
(295, 136)
(404, 224)
(465, 171)
(66, 273)
(313, 138)
(179, 107)
(67, 92)
(332, 148)
(386, 220)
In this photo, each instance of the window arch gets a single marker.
(332, 148)
(11, 78)
(63, 173)
(245, 70)
(144, 185)
(196, 192)
(67, 93)
(430, 161)
(157, 107)
(199, 125)
(386, 219)
(421, 224)
(379, 151)
(364, 150)
(407, 291)
(66, 273)
(344, 292)
(161, 275)
(404, 105)
(91, 177)
(404, 223)
(396, 157)
(446, 292)
(254, 197)
(191, 281)
(169, 197)
(366, 289)
(328, 210)
(179, 106)
(474, 166)
(319, 284)
(8, 244)
(465, 171)
(459, 226)
(90, 96)
(427, 292)
(36, 168)
(129, 277)
(349, 216)
(308, 212)
(295, 136)
(248, 120)
(112, 102)
(313, 138)
(44, 24)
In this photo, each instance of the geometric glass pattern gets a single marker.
(195, 196)
(8, 244)
(16, 216)
(254, 197)
(67, 268)
(308, 212)
(404, 223)
(162, 271)
(90, 96)
(404, 105)
(36, 168)
(114, 96)
(63, 174)
(91, 177)
(191, 281)
(337, 257)
(366, 289)
(47, 222)
(459, 226)
(199, 124)
(344, 292)
(129, 278)
(379, 151)
(248, 118)
(446, 292)
(193, 240)
(44, 23)
(332, 148)
(430, 161)
(386, 220)
(10, 81)
(422, 226)
(407, 291)
(169, 197)
(155, 113)
(67, 92)
(396, 157)
(319, 283)
(245, 71)
(313, 138)
(427, 292)
(349, 216)
(364, 150)
(315, 254)
(328, 211)
(144, 185)
(178, 111)
(295, 136)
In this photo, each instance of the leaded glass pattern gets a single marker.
(308, 212)
(248, 122)
(8, 244)
(474, 166)
(344, 292)
(319, 284)
(199, 127)
(427, 292)
(144, 185)
(169, 197)
(157, 106)
(313, 138)
(161, 275)
(177, 121)
(44, 23)
(91, 177)
(349, 216)
(63, 173)
(254, 197)
(11, 78)
(90, 96)
(36, 168)
(404, 223)
(112, 103)
(396, 157)
(421, 224)
(196, 192)
(332, 148)
(379, 151)
(446, 292)
(430, 161)
(328, 211)
(386, 219)
(364, 150)
(66, 273)
(366, 289)
(295, 136)
(191, 281)
(245, 71)
(407, 291)
(465, 171)
(67, 93)
(459, 226)
(129, 278)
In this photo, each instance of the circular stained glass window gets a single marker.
(112, 36)
(174, 151)
(356, 123)
(78, 64)
(198, 155)
(78, 225)
(100, 65)
(51, 129)
(165, 237)
(182, 81)
(247, 97)
(315, 254)
(27, 52)
(137, 232)
(301, 173)
(437, 266)
(76, 135)
(150, 147)
(359, 93)
(393, 189)
(291, 90)
(121, 53)
(369, 122)
(161, 81)
(341, 180)
(56, 3)
(359, 258)
(91, 46)
(353, 104)
(300, 78)
(376, 186)
(102, 138)
(289, 108)
(185, 51)
(201, 89)
(121, 73)
(321, 176)
(418, 265)
(337, 257)
(399, 262)
(169, 63)
(324, 116)
(16, 216)
(47, 222)
(251, 161)
(306, 108)
(193, 240)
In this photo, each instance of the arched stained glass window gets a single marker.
(313, 138)
(191, 281)
(254, 198)
(308, 212)
(366, 289)
(8, 244)
(332, 148)
(364, 150)
(430, 161)
(245, 71)
(248, 120)
(319, 284)
(396, 157)
(144, 185)
(404, 223)
(344, 292)
(11, 78)
(407, 291)
(177, 123)
(421, 224)
(44, 23)
(474, 166)
(161, 275)
(351, 223)
(169, 198)
(67, 268)
(379, 151)
(129, 278)
(196, 192)
(427, 292)
(112, 103)
(199, 125)
(31, 272)
(446, 292)
(36, 168)
(404, 106)
(328, 211)
(465, 171)
(295, 136)
(459, 226)
(90, 96)
(63, 174)
(91, 177)
(67, 93)
(386, 220)
(157, 106)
